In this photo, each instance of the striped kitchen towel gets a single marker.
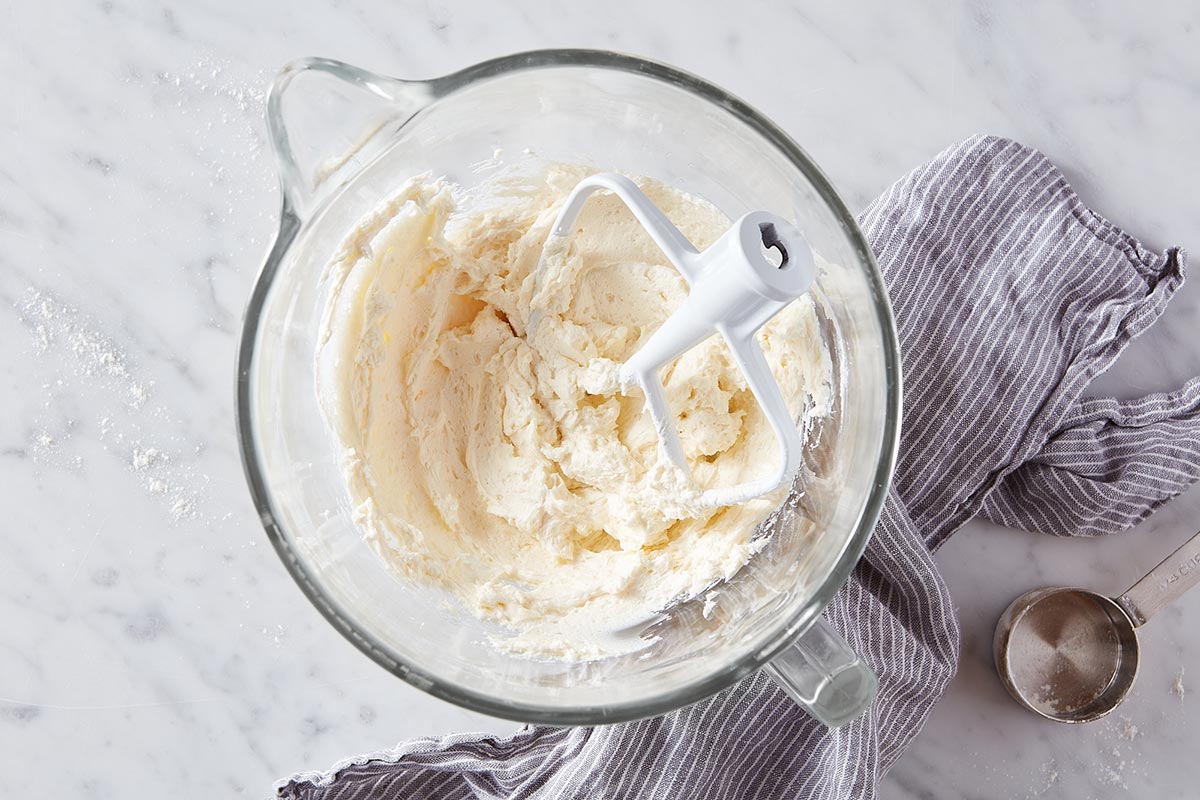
(1010, 297)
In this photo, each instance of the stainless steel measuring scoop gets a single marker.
(1072, 655)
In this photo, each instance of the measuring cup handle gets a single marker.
(325, 120)
(1164, 584)
(825, 676)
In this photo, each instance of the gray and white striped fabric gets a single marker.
(1010, 297)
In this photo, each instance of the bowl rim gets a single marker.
(618, 710)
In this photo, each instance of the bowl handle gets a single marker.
(824, 676)
(327, 120)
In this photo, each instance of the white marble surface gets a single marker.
(150, 643)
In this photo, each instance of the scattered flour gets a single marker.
(1111, 771)
(216, 94)
(1049, 772)
(183, 508)
(1128, 730)
(138, 394)
(208, 76)
(143, 458)
(276, 635)
(1177, 688)
(96, 367)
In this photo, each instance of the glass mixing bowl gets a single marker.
(345, 139)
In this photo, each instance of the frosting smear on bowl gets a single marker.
(508, 469)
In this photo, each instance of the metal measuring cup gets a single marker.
(1072, 655)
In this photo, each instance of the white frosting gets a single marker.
(510, 471)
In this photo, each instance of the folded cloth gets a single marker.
(1010, 297)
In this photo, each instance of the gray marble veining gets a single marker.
(146, 628)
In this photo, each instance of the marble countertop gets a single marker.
(152, 645)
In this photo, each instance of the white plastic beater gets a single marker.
(734, 289)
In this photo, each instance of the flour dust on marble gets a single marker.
(120, 402)
(1177, 687)
(227, 104)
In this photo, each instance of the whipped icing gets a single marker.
(509, 469)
